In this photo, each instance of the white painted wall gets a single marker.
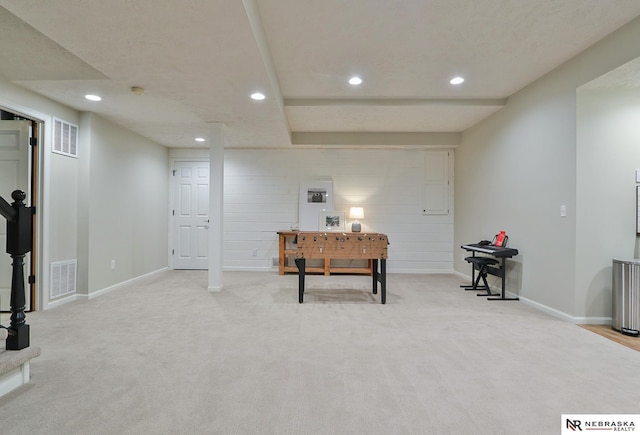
(262, 191)
(514, 170)
(127, 204)
(57, 177)
(63, 211)
(608, 154)
(80, 198)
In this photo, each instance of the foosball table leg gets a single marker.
(300, 262)
(374, 275)
(383, 280)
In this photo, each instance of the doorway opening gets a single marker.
(20, 136)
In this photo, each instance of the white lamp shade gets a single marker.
(356, 213)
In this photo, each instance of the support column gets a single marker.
(216, 203)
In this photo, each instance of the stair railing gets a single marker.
(19, 242)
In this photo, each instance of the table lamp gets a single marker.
(356, 213)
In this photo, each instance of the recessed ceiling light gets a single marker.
(92, 97)
(355, 80)
(258, 96)
(199, 139)
(456, 80)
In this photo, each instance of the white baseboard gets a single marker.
(462, 275)
(249, 269)
(548, 310)
(564, 316)
(420, 271)
(545, 309)
(60, 301)
(128, 282)
(275, 269)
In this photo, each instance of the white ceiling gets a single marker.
(199, 61)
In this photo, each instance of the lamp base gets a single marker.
(356, 227)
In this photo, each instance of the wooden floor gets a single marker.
(611, 334)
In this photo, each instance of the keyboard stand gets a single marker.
(487, 268)
(501, 270)
(481, 264)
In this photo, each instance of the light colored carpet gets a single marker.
(167, 357)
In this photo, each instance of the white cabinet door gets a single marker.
(436, 183)
(191, 215)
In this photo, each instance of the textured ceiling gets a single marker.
(625, 76)
(200, 60)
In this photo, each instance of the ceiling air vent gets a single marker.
(65, 138)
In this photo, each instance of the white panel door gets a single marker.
(14, 174)
(435, 198)
(191, 215)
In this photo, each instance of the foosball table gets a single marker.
(321, 245)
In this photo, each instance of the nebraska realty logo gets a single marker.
(572, 423)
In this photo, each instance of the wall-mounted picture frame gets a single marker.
(316, 196)
(638, 210)
(331, 221)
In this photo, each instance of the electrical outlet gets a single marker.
(254, 252)
(113, 264)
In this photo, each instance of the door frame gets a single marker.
(40, 179)
(186, 155)
(24, 130)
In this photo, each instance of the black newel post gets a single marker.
(19, 240)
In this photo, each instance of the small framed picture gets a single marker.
(317, 194)
(638, 210)
(331, 221)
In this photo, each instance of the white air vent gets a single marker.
(65, 138)
(63, 278)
